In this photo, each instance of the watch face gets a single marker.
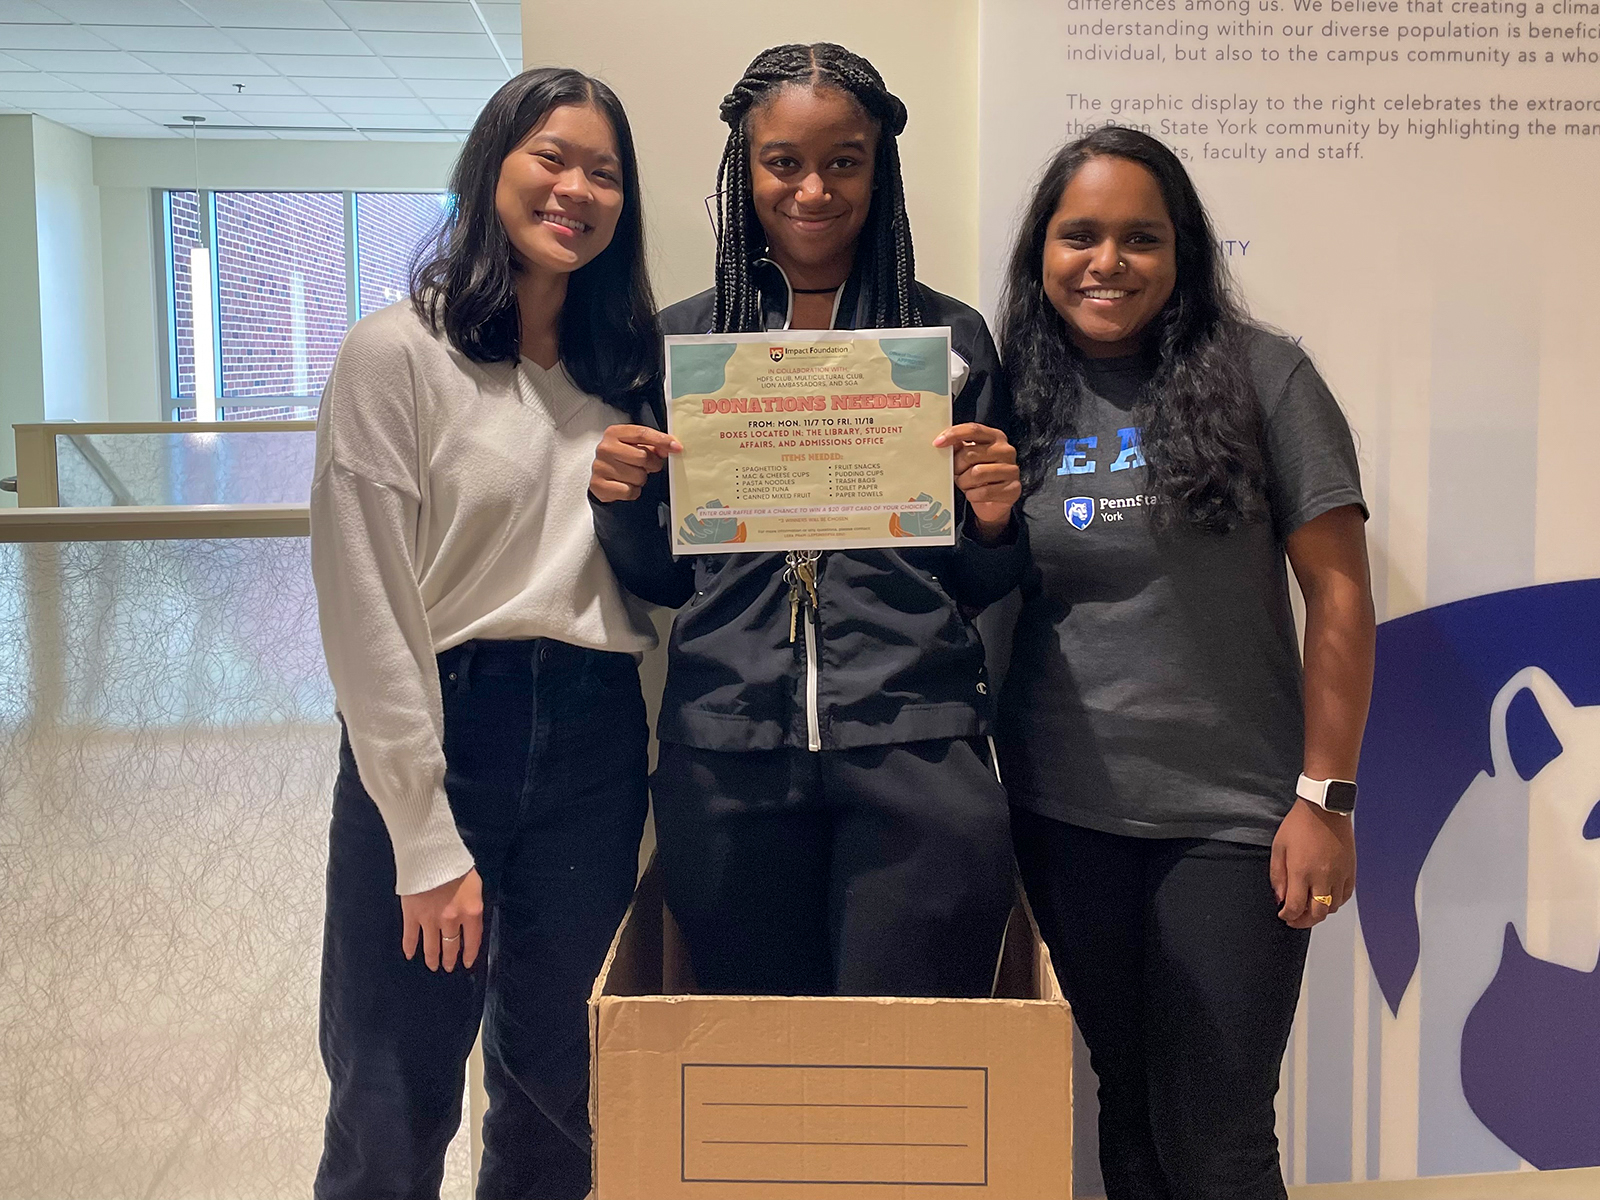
(1340, 796)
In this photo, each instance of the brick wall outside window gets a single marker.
(389, 228)
(281, 265)
(185, 233)
(281, 291)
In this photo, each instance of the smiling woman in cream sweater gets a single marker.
(483, 846)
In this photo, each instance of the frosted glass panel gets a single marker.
(167, 752)
(185, 468)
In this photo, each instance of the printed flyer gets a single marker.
(810, 440)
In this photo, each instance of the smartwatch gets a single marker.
(1334, 795)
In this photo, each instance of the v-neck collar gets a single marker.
(553, 389)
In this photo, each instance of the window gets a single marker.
(290, 272)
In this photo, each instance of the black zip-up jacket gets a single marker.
(897, 657)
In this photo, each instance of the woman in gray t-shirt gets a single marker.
(1156, 726)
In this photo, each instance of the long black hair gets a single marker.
(883, 256)
(1202, 425)
(465, 282)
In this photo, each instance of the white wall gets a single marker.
(21, 366)
(135, 370)
(672, 63)
(269, 164)
(71, 291)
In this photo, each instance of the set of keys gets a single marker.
(800, 573)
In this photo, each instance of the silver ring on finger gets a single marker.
(455, 937)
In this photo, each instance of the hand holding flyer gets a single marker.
(810, 440)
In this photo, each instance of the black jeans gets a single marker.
(545, 753)
(882, 871)
(1184, 982)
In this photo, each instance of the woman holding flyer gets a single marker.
(828, 818)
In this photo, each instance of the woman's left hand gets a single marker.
(986, 471)
(1313, 855)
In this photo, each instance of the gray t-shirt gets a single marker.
(1155, 686)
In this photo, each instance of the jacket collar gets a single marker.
(777, 298)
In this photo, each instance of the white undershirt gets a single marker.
(449, 503)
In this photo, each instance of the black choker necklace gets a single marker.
(816, 291)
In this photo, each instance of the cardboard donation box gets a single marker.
(836, 1098)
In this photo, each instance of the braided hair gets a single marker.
(883, 255)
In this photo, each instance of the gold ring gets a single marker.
(1325, 901)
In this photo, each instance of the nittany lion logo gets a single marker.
(775, 353)
(1080, 511)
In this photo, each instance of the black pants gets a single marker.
(883, 871)
(1184, 983)
(545, 749)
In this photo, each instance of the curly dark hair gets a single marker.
(883, 256)
(464, 282)
(1202, 425)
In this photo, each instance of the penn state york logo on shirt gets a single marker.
(1077, 458)
(1080, 511)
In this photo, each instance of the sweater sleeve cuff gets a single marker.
(431, 855)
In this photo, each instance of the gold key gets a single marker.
(792, 578)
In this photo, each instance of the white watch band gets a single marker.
(1315, 791)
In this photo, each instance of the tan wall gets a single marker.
(672, 62)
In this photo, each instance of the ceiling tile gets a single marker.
(50, 37)
(391, 105)
(451, 68)
(122, 129)
(50, 103)
(178, 102)
(300, 41)
(34, 81)
(27, 10)
(456, 110)
(312, 135)
(34, 101)
(240, 66)
(329, 65)
(96, 82)
(424, 16)
(292, 118)
(388, 122)
(269, 14)
(174, 114)
(124, 12)
(223, 85)
(357, 87)
(432, 45)
(7, 63)
(247, 103)
(502, 18)
(82, 60)
(415, 137)
(454, 89)
(198, 38)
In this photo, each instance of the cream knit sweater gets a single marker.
(449, 502)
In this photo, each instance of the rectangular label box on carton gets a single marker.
(786, 1098)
